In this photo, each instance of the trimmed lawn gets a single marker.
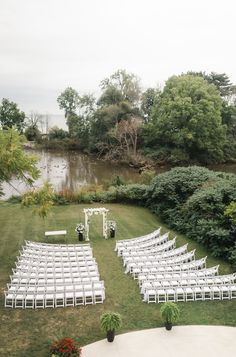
(24, 333)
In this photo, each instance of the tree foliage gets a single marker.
(188, 116)
(68, 100)
(14, 162)
(194, 201)
(124, 84)
(192, 120)
(11, 116)
(42, 198)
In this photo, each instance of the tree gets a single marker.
(188, 117)
(126, 133)
(68, 100)
(13, 160)
(41, 198)
(32, 131)
(220, 80)
(147, 102)
(11, 116)
(125, 83)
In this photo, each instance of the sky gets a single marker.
(48, 45)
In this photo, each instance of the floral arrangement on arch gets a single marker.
(65, 347)
(79, 228)
(111, 225)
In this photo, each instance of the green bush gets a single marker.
(193, 201)
(133, 193)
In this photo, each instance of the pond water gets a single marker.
(72, 170)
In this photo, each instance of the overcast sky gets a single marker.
(47, 45)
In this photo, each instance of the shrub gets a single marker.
(194, 201)
(57, 133)
(133, 193)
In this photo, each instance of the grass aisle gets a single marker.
(24, 333)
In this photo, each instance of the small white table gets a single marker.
(55, 233)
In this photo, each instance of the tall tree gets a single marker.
(68, 100)
(125, 83)
(188, 117)
(11, 116)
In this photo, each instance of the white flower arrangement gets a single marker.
(111, 225)
(79, 228)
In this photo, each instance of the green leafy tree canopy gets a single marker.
(11, 116)
(188, 117)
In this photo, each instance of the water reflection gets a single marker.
(72, 170)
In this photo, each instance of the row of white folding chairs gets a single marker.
(57, 299)
(55, 251)
(62, 264)
(51, 275)
(143, 245)
(60, 272)
(52, 263)
(88, 285)
(170, 253)
(62, 280)
(42, 281)
(166, 246)
(214, 292)
(213, 271)
(44, 244)
(50, 253)
(147, 268)
(187, 257)
(41, 272)
(135, 240)
(217, 280)
(56, 247)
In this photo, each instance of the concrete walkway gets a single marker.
(181, 341)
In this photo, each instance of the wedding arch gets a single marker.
(88, 213)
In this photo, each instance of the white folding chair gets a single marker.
(9, 299)
(170, 295)
(189, 294)
(39, 301)
(49, 299)
(151, 296)
(179, 293)
(161, 295)
(216, 293)
(59, 299)
(79, 297)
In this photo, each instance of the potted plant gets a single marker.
(110, 321)
(170, 313)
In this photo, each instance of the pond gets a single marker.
(72, 170)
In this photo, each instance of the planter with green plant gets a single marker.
(170, 313)
(110, 321)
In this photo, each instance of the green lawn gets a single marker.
(25, 333)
